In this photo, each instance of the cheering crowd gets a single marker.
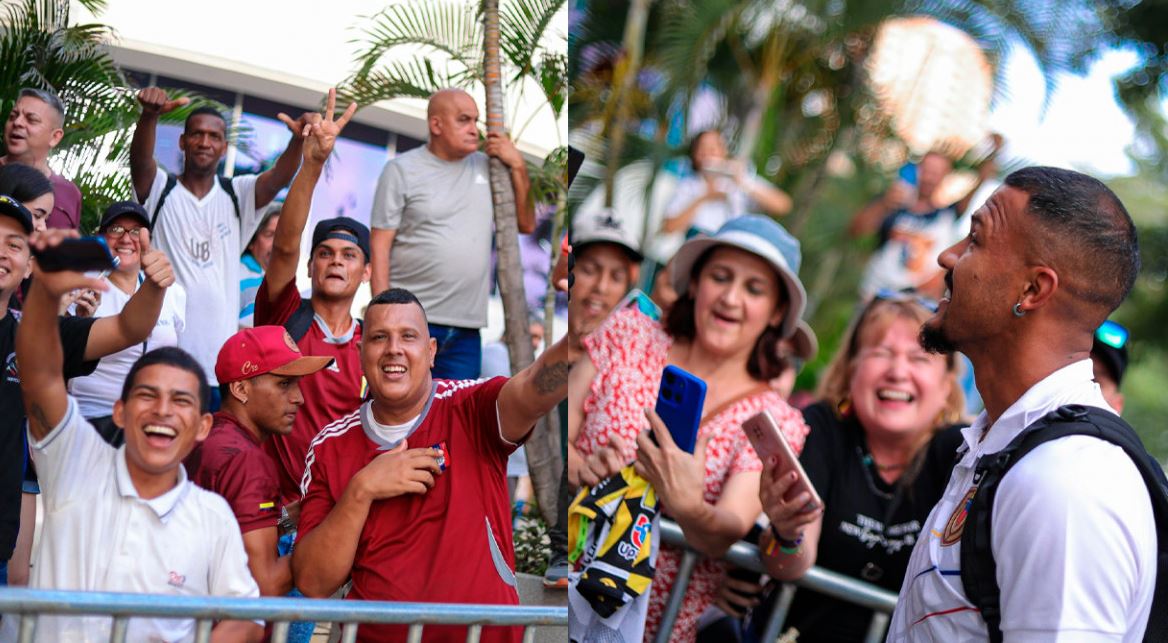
(308, 452)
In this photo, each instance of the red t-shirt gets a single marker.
(231, 463)
(66, 213)
(328, 394)
(450, 545)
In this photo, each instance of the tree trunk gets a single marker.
(625, 78)
(543, 455)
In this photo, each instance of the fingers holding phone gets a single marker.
(677, 476)
(787, 501)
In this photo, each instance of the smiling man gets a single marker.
(124, 519)
(259, 371)
(1048, 257)
(34, 127)
(202, 220)
(323, 324)
(408, 494)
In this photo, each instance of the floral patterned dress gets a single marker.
(629, 351)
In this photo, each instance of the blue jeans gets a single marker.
(298, 631)
(460, 353)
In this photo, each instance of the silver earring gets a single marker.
(1018, 312)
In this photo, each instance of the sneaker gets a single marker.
(556, 576)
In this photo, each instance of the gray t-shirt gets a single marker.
(443, 216)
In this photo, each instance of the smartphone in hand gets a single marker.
(768, 441)
(642, 303)
(679, 403)
(84, 254)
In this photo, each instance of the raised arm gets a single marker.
(380, 245)
(502, 148)
(154, 103)
(137, 319)
(38, 340)
(319, 135)
(533, 392)
(269, 183)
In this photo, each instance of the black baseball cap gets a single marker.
(124, 208)
(12, 208)
(349, 230)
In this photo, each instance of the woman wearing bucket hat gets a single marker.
(739, 293)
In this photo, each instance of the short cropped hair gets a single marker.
(205, 110)
(49, 98)
(396, 296)
(1089, 227)
(178, 358)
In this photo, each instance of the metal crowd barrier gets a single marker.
(278, 611)
(745, 555)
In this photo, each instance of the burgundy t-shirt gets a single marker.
(232, 463)
(66, 214)
(328, 394)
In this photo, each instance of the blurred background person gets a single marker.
(1109, 358)
(254, 263)
(32, 188)
(720, 189)
(738, 294)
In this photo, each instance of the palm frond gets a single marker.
(447, 27)
(522, 25)
(414, 78)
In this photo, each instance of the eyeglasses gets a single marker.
(1112, 334)
(887, 294)
(117, 231)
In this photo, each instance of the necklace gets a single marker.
(869, 461)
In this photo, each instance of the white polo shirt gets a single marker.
(1074, 537)
(100, 536)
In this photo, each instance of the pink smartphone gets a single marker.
(764, 434)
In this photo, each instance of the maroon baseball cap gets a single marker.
(264, 349)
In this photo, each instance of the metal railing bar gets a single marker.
(689, 558)
(120, 629)
(474, 633)
(203, 631)
(415, 635)
(877, 627)
(280, 631)
(349, 633)
(779, 614)
(217, 608)
(529, 634)
(28, 628)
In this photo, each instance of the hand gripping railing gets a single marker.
(279, 611)
(881, 601)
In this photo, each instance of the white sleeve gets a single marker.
(230, 576)
(249, 219)
(683, 196)
(155, 191)
(389, 199)
(1075, 544)
(69, 458)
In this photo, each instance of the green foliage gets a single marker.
(532, 545)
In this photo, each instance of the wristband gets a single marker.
(785, 546)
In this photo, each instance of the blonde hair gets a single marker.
(873, 321)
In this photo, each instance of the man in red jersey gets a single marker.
(322, 324)
(408, 494)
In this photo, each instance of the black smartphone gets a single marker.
(81, 255)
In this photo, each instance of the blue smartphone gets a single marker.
(679, 403)
(908, 174)
(642, 303)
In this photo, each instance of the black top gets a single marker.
(869, 526)
(74, 337)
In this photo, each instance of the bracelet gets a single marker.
(785, 546)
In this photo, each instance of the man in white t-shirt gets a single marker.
(201, 220)
(1049, 256)
(432, 223)
(126, 519)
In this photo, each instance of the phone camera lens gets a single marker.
(665, 393)
(670, 377)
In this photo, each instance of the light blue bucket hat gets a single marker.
(758, 235)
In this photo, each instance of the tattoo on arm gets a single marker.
(551, 377)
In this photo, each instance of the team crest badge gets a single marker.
(956, 524)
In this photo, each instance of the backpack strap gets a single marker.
(171, 181)
(300, 320)
(978, 568)
(225, 183)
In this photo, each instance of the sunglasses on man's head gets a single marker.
(887, 294)
(1112, 334)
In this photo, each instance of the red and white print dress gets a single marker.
(629, 351)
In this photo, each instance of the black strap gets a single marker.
(978, 568)
(172, 180)
(300, 320)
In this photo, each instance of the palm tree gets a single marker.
(481, 44)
